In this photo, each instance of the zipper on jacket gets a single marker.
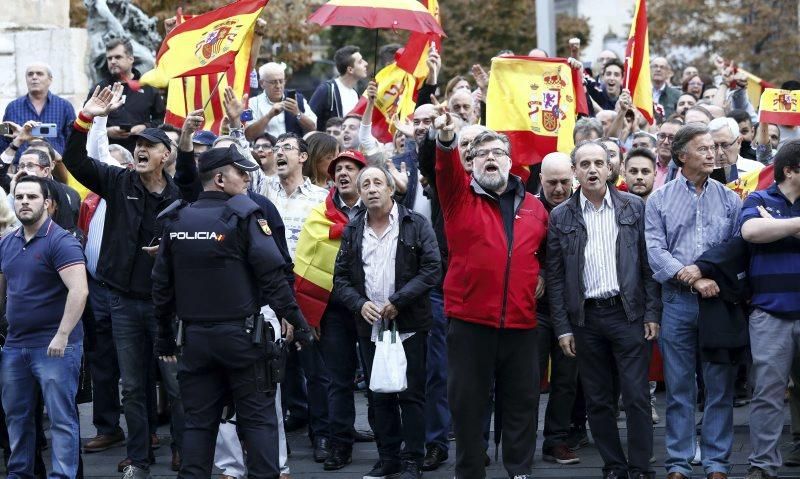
(505, 284)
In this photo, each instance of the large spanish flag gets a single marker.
(413, 57)
(192, 93)
(205, 44)
(315, 257)
(637, 63)
(754, 181)
(534, 101)
(780, 107)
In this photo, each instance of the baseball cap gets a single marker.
(218, 157)
(204, 137)
(351, 155)
(154, 136)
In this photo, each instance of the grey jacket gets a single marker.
(566, 246)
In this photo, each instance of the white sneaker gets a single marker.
(697, 459)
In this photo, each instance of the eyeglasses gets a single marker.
(724, 146)
(274, 82)
(262, 146)
(665, 137)
(284, 148)
(31, 166)
(495, 152)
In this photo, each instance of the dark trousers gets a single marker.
(294, 397)
(103, 363)
(607, 338)
(437, 412)
(400, 417)
(477, 356)
(563, 384)
(219, 360)
(338, 343)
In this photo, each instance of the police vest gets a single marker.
(207, 244)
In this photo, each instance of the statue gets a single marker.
(120, 19)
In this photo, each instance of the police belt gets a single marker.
(254, 325)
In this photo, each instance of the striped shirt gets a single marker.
(294, 207)
(600, 267)
(680, 224)
(774, 267)
(94, 238)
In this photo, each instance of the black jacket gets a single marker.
(566, 247)
(417, 271)
(722, 329)
(125, 197)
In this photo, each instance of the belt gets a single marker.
(604, 302)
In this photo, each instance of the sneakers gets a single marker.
(133, 472)
(577, 438)
(758, 473)
(793, 458)
(698, 457)
(560, 454)
(385, 470)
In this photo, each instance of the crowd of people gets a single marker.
(622, 264)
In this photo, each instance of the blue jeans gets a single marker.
(22, 372)
(135, 330)
(437, 411)
(103, 363)
(679, 348)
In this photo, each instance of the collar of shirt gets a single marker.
(43, 230)
(689, 184)
(392, 221)
(46, 100)
(344, 206)
(607, 203)
(303, 189)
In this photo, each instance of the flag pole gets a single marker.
(213, 91)
(375, 58)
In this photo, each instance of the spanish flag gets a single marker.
(780, 107)
(205, 44)
(637, 63)
(534, 101)
(753, 181)
(755, 86)
(315, 257)
(413, 57)
(192, 93)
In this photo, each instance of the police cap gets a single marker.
(219, 157)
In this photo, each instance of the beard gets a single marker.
(496, 181)
(33, 218)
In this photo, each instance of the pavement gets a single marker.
(103, 464)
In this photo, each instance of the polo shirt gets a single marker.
(774, 267)
(36, 296)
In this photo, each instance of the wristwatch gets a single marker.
(299, 115)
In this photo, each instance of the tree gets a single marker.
(763, 36)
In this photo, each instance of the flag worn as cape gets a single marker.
(204, 44)
(534, 101)
(315, 257)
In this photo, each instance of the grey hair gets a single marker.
(649, 136)
(683, 136)
(41, 64)
(718, 124)
(586, 125)
(122, 151)
(574, 155)
(389, 177)
(485, 137)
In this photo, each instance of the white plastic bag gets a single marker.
(389, 365)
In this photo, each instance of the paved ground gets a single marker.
(103, 465)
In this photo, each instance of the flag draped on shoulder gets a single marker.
(204, 44)
(637, 63)
(315, 257)
(753, 181)
(780, 107)
(534, 101)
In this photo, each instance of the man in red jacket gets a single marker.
(495, 230)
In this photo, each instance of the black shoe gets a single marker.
(411, 470)
(292, 423)
(385, 470)
(363, 436)
(338, 458)
(577, 438)
(434, 458)
(321, 449)
(487, 461)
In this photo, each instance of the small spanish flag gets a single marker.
(753, 181)
(780, 107)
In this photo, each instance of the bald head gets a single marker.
(556, 177)
(465, 137)
(38, 78)
(537, 53)
(422, 120)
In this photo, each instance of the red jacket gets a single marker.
(486, 283)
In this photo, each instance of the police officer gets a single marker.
(217, 264)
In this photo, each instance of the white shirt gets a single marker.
(294, 207)
(746, 166)
(600, 258)
(348, 95)
(261, 106)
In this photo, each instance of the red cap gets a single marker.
(351, 155)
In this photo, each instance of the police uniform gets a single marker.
(216, 265)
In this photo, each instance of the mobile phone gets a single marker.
(291, 94)
(5, 129)
(125, 127)
(45, 130)
(246, 115)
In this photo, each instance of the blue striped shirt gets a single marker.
(680, 224)
(56, 110)
(774, 267)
